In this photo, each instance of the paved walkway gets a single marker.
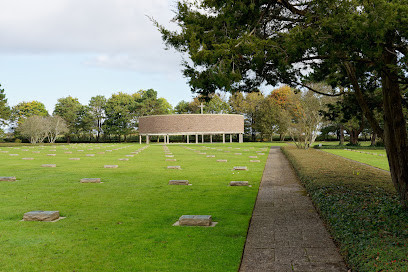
(286, 233)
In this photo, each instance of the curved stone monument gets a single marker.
(192, 124)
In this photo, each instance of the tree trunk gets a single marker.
(373, 138)
(99, 131)
(68, 139)
(395, 133)
(341, 130)
(353, 136)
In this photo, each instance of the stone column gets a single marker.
(140, 139)
(202, 138)
(158, 138)
(241, 138)
(147, 139)
(188, 139)
(230, 138)
(210, 138)
(168, 139)
(223, 138)
(196, 138)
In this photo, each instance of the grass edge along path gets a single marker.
(361, 156)
(360, 208)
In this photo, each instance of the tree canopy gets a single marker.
(356, 45)
(23, 110)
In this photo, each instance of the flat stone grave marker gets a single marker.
(254, 161)
(13, 154)
(222, 160)
(202, 153)
(135, 152)
(68, 152)
(75, 159)
(90, 155)
(7, 178)
(240, 168)
(53, 150)
(24, 149)
(253, 157)
(210, 156)
(108, 150)
(4, 151)
(111, 166)
(129, 156)
(195, 220)
(169, 156)
(260, 154)
(171, 160)
(36, 152)
(49, 165)
(80, 150)
(124, 159)
(52, 155)
(101, 153)
(237, 153)
(41, 216)
(239, 183)
(90, 180)
(178, 182)
(28, 159)
(174, 167)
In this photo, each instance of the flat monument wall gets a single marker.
(190, 124)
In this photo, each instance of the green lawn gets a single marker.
(370, 157)
(125, 223)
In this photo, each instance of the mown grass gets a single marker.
(359, 205)
(371, 158)
(125, 223)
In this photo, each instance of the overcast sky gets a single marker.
(52, 49)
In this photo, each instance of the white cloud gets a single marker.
(149, 62)
(116, 30)
(80, 25)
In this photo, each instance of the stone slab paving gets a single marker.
(286, 233)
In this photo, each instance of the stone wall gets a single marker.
(190, 124)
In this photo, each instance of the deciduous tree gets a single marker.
(34, 128)
(55, 126)
(119, 110)
(68, 108)
(96, 105)
(23, 110)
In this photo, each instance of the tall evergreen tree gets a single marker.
(358, 45)
(4, 108)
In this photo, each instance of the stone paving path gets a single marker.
(286, 233)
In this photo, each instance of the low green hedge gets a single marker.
(360, 207)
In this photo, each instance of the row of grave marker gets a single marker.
(363, 152)
(184, 220)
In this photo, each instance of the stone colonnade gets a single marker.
(166, 138)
